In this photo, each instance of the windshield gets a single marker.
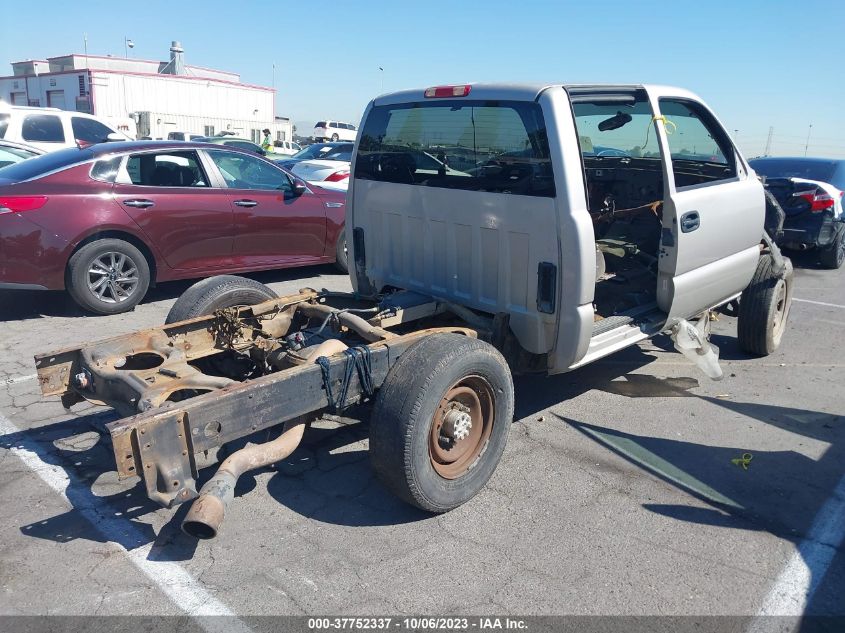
(810, 169)
(314, 151)
(341, 152)
(616, 129)
(41, 165)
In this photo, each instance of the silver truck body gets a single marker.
(484, 249)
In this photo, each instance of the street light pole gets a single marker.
(127, 44)
(381, 74)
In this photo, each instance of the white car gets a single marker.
(334, 131)
(285, 148)
(331, 170)
(51, 129)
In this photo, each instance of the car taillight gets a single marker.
(341, 174)
(18, 204)
(439, 92)
(819, 200)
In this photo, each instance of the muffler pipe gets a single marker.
(208, 511)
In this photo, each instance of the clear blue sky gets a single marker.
(757, 63)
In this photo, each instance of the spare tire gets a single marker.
(215, 293)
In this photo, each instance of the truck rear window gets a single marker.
(498, 146)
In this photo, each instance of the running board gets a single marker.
(618, 332)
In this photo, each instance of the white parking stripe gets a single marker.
(12, 381)
(801, 577)
(819, 303)
(173, 580)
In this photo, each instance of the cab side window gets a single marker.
(166, 169)
(700, 149)
(242, 171)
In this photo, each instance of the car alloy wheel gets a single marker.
(112, 277)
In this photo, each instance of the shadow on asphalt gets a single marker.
(780, 492)
(19, 305)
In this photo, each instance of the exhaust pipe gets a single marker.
(208, 511)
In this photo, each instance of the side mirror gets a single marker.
(299, 187)
(114, 136)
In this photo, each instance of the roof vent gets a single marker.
(177, 59)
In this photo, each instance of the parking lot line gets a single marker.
(802, 575)
(171, 578)
(17, 379)
(819, 303)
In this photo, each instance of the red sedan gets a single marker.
(106, 221)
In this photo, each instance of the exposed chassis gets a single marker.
(178, 410)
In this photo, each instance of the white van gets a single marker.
(334, 131)
(51, 129)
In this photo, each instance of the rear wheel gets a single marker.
(215, 293)
(833, 256)
(108, 276)
(440, 422)
(764, 309)
(342, 253)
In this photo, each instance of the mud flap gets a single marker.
(693, 342)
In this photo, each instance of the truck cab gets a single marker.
(588, 217)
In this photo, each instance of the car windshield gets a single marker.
(341, 152)
(41, 165)
(809, 169)
(312, 151)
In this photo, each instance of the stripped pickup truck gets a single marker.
(492, 229)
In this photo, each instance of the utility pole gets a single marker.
(807, 144)
(769, 140)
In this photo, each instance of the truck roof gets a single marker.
(528, 91)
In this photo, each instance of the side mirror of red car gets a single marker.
(299, 187)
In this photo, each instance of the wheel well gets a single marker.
(126, 237)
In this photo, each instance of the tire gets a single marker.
(214, 293)
(335, 137)
(108, 276)
(341, 253)
(435, 378)
(833, 255)
(764, 309)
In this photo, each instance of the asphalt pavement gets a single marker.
(623, 490)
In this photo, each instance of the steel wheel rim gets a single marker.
(452, 459)
(112, 277)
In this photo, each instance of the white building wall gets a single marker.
(117, 94)
(184, 104)
(38, 88)
(174, 103)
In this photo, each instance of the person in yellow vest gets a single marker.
(266, 144)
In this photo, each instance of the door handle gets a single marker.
(139, 204)
(690, 221)
(246, 203)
